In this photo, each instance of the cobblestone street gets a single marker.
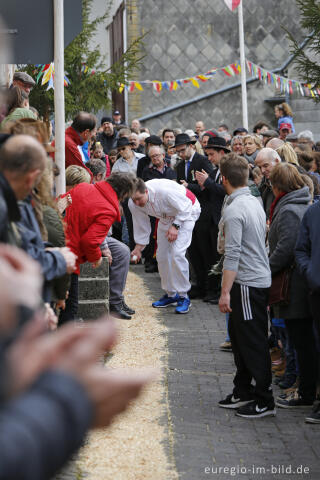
(206, 437)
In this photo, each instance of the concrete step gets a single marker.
(93, 288)
(86, 270)
(303, 104)
(92, 309)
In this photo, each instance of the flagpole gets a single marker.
(59, 112)
(243, 68)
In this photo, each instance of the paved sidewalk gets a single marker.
(205, 438)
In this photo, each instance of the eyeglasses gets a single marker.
(158, 155)
(182, 150)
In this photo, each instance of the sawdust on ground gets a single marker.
(135, 447)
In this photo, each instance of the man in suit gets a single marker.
(200, 250)
(212, 183)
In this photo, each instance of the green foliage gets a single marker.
(86, 91)
(308, 68)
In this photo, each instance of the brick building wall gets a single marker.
(188, 37)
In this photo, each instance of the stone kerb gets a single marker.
(93, 290)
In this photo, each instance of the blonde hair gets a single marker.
(285, 108)
(287, 154)
(76, 174)
(257, 140)
(286, 178)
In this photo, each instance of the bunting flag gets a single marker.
(267, 77)
(232, 4)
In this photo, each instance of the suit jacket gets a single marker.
(216, 195)
(198, 163)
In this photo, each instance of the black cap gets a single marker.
(106, 119)
(116, 112)
(218, 143)
(240, 130)
(153, 140)
(183, 139)
(123, 142)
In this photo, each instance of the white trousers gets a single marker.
(172, 263)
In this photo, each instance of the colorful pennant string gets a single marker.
(285, 85)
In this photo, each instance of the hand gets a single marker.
(97, 263)
(21, 283)
(50, 317)
(61, 304)
(172, 234)
(224, 303)
(36, 350)
(136, 254)
(201, 177)
(107, 253)
(63, 203)
(70, 258)
(184, 183)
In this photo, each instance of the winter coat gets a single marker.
(307, 248)
(108, 142)
(149, 173)
(9, 214)
(56, 238)
(73, 155)
(283, 233)
(266, 195)
(93, 210)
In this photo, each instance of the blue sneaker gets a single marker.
(166, 301)
(183, 305)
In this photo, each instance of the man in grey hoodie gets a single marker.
(244, 294)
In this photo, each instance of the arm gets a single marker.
(90, 242)
(228, 279)
(141, 224)
(42, 428)
(303, 247)
(181, 204)
(288, 225)
(73, 157)
(214, 187)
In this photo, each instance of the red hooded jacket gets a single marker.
(72, 154)
(94, 208)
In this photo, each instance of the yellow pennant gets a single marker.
(138, 86)
(195, 82)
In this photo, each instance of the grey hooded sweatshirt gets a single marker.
(244, 227)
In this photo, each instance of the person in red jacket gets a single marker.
(83, 128)
(94, 208)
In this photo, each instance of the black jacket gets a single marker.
(307, 248)
(198, 163)
(9, 212)
(149, 173)
(108, 142)
(266, 195)
(216, 195)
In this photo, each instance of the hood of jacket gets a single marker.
(107, 191)
(297, 197)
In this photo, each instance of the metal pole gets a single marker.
(59, 113)
(243, 68)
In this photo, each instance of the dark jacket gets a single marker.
(52, 263)
(9, 212)
(198, 163)
(109, 142)
(146, 162)
(41, 428)
(266, 195)
(56, 238)
(149, 173)
(216, 195)
(307, 248)
(283, 235)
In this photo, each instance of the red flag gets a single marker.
(232, 4)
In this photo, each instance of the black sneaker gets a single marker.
(252, 410)
(231, 402)
(293, 400)
(314, 417)
(127, 309)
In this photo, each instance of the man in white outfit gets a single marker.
(177, 210)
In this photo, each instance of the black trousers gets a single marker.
(71, 310)
(128, 215)
(202, 253)
(248, 329)
(301, 334)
